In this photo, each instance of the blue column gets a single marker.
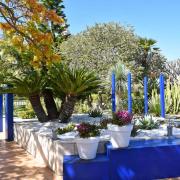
(9, 116)
(162, 97)
(129, 94)
(113, 92)
(1, 113)
(145, 95)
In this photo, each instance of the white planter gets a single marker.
(120, 135)
(87, 147)
(105, 132)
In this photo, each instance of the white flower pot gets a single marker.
(120, 135)
(87, 147)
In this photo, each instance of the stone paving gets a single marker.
(16, 164)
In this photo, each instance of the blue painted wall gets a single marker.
(1, 113)
(142, 160)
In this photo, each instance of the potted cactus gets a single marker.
(88, 140)
(120, 129)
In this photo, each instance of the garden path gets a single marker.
(16, 164)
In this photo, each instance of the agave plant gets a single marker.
(148, 123)
(72, 85)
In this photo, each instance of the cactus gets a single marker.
(168, 97)
(172, 99)
(176, 97)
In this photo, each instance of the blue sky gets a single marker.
(157, 19)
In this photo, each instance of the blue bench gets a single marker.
(142, 160)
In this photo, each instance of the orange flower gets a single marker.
(31, 38)
(5, 26)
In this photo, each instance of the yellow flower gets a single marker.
(36, 59)
(17, 40)
(56, 58)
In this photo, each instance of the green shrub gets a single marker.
(137, 99)
(81, 107)
(95, 113)
(25, 112)
(138, 105)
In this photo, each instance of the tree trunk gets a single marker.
(67, 109)
(62, 102)
(101, 101)
(89, 101)
(50, 104)
(38, 109)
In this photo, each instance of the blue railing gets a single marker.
(8, 115)
(129, 84)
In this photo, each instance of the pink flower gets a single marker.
(124, 116)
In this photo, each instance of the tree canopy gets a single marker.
(100, 47)
(21, 23)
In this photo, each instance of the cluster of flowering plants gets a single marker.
(70, 127)
(87, 130)
(122, 118)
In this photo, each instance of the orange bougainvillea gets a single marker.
(21, 25)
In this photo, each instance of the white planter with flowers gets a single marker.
(88, 140)
(120, 129)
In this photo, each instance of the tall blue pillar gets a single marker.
(113, 92)
(9, 116)
(1, 113)
(129, 94)
(162, 97)
(145, 95)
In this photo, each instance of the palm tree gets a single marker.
(15, 63)
(147, 50)
(27, 85)
(72, 85)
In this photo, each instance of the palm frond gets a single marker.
(75, 82)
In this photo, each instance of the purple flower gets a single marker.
(87, 130)
(124, 116)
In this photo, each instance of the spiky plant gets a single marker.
(146, 59)
(121, 77)
(154, 104)
(27, 85)
(72, 85)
